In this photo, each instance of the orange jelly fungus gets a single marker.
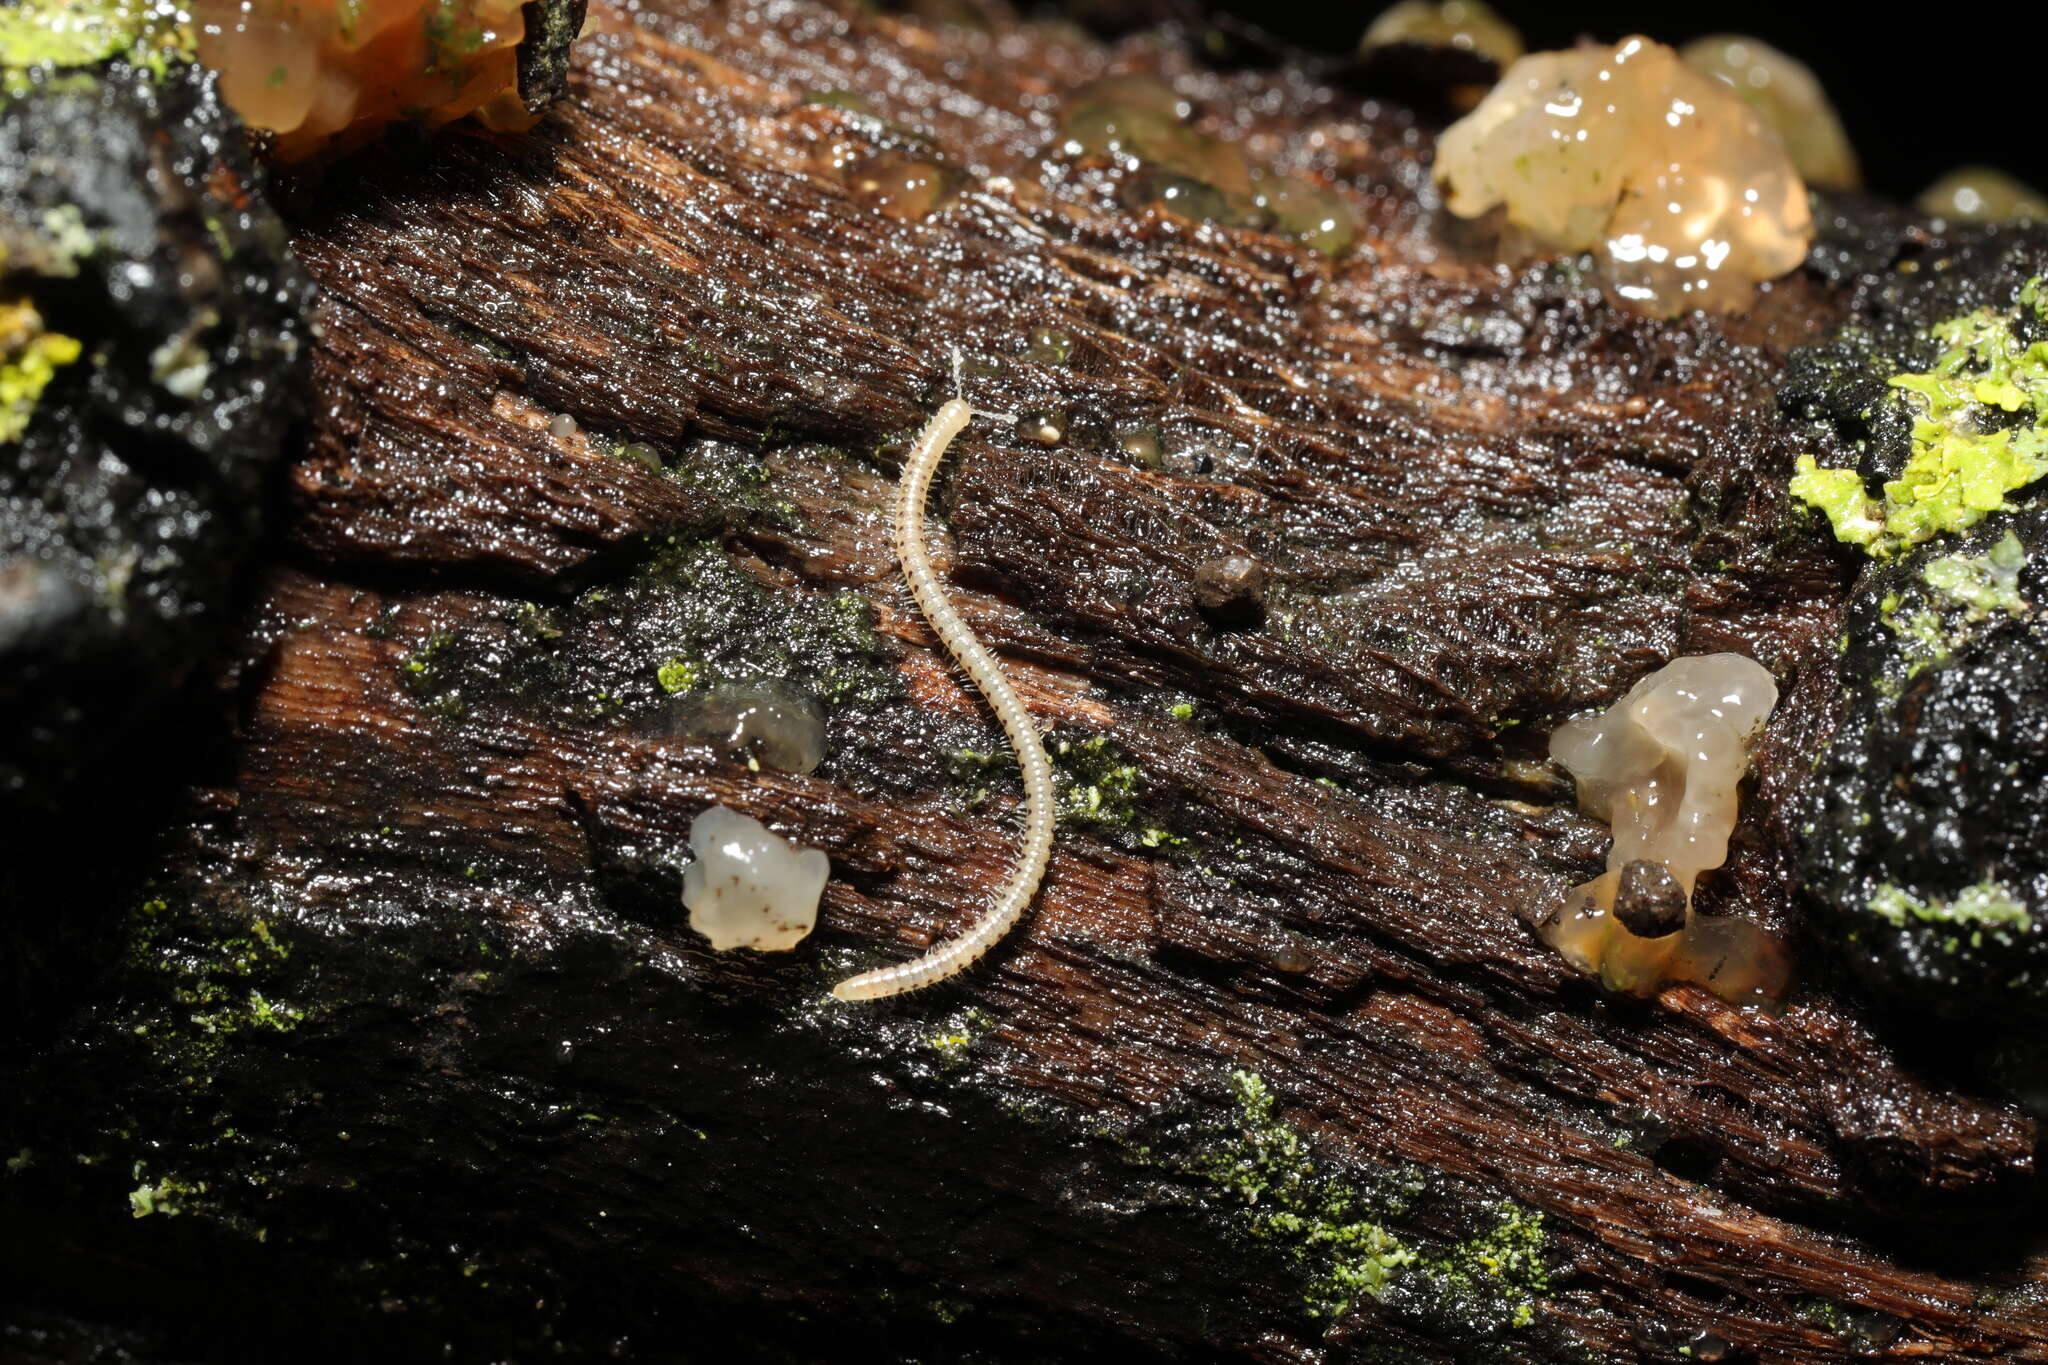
(326, 76)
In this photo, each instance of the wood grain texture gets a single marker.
(521, 1101)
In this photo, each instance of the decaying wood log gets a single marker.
(405, 1042)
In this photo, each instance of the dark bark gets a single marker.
(405, 1041)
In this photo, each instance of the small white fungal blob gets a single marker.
(1663, 765)
(750, 887)
(1789, 96)
(1683, 195)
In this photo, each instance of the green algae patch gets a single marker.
(1986, 905)
(1979, 433)
(677, 675)
(167, 1196)
(687, 618)
(1100, 787)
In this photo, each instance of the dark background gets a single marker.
(1921, 87)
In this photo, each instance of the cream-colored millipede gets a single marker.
(1036, 851)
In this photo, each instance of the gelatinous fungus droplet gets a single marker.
(1712, 1348)
(750, 887)
(1683, 195)
(1789, 96)
(1131, 91)
(1983, 194)
(1318, 217)
(903, 187)
(1663, 765)
(562, 426)
(1463, 24)
(1140, 118)
(641, 453)
(1191, 174)
(773, 724)
(1182, 195)
(1048, 345)
(1142, 445)
(851, 101)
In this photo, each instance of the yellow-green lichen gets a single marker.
(166, 1196)
(1963, 590)
(1326, 1226)
(1335, 1229)
(44, 36)
(1967, 452)
(29, 359)
(1982, 584)
(1987, 905)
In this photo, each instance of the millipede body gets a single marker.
(981, 667)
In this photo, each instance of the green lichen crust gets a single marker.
(1924, 837)
(1979, 433)
(1353, 1234)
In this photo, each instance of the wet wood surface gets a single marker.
(1486, 501)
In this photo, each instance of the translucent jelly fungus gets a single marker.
(767, 724)
(1190, 174)
(1463, 24)
(1663, 765)
(903, 187)
(1983, 194)
(1791, 100)
(1683, 195)
(750, 887)
(324, 75)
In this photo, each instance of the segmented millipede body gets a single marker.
(981, 667)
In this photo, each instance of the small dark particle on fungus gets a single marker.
(1649, 902)
(1231, 588)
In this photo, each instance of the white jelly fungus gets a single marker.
(750, 887)
(1675, 185)
(1789, 96)
(1662, 765)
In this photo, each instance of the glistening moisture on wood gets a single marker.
(488, 1088)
